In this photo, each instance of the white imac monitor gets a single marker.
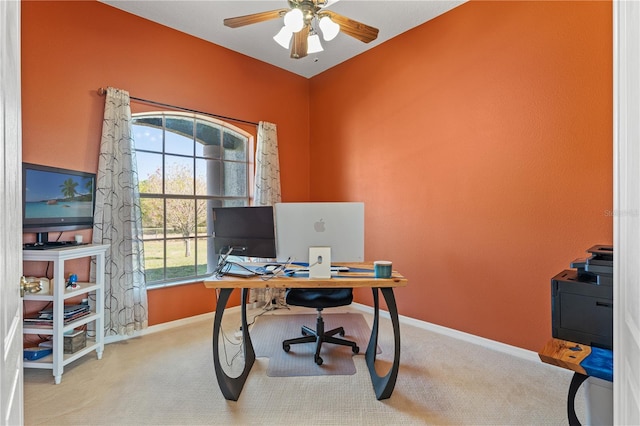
(336, 225)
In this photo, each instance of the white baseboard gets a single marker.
(450, 332)
(460, 335)
(164, 326)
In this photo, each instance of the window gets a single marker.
(187, 164)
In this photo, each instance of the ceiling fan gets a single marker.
(301, 20)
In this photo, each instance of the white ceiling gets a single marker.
(203, 19)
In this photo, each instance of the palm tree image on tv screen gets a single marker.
(54, 195)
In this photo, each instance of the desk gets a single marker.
(231, 387)
(583, 360)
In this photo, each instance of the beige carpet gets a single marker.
(269, 331)
(167, 378)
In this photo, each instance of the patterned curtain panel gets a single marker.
(117, 220)
(267, 190)
(267, 181)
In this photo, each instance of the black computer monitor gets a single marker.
(244, 231)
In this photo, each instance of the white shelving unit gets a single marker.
(58, 294)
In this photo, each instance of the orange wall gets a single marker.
(70, 49)
(481, 143)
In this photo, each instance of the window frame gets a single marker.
(222, 199)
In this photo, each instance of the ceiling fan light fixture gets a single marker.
(299, 34)
(313, 43)
(283, 38)
(329, 28)
(294, 20)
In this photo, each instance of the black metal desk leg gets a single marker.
(576, 381)
(232, 386)
(383, 385)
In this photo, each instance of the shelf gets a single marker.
(39, 297)
(48, 329)
(80, 321)
(91, 346)
(32, 329)
(47, 361)
(64, 253)
(84, 288)
(57, 297)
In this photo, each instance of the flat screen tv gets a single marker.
(55, 199)
(244, 231)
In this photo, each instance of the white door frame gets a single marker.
(11, 379)
(626, 222)
(626, 123)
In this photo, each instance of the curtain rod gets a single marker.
(102, 92)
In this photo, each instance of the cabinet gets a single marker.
(57, 296)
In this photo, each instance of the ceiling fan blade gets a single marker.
(299, 44)
(353, 28)
(254, 18)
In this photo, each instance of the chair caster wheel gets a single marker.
(355, 349)
(341, 333)
(318, 360)
(286, 347)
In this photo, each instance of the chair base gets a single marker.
(319, 336)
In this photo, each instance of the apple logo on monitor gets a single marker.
(319, 226)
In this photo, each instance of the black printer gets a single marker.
(582, 300)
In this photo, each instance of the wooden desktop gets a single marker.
(583, 360)
(360, 275)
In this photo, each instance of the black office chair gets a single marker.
(319, 299)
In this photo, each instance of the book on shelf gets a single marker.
(69, 311)
(36, 320)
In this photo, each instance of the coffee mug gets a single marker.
(382, 269)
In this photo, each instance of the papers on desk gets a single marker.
(244, 270)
